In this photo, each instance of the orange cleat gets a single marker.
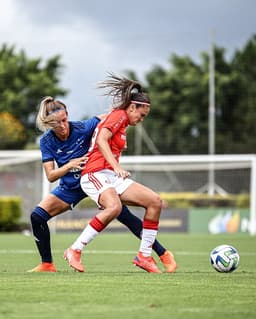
(168, 261)
(146, 263)
(44, 267)
(73, 256)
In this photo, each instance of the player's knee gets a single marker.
(34, 217)
(156, 202)
(116, 209)
(111, 212)
(39, 214)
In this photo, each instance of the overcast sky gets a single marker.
(95, 37)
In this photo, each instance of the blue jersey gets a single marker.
(75, 146)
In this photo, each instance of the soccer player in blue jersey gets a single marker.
(64, 145)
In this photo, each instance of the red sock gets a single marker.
(149, 224)
(97, 224)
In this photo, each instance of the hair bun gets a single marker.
(134, 90)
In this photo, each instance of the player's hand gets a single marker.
(77, 164)
(122, 173)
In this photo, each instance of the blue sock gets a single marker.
(39, 218)
(135, 225)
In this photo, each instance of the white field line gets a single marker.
(209, 310)
(113, 252)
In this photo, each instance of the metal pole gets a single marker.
(138, 140)
(138, 149)
(252, 223)
(211, 119)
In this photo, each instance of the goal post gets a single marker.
(253, 196)
(21, 173)
(190, 163)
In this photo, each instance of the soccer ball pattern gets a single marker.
(224, 258)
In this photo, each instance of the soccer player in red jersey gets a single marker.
(107, 183)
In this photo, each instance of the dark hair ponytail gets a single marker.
(123, 91)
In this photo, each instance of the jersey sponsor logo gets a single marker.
(120, 121)
(74, 170)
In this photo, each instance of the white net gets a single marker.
(21, 175)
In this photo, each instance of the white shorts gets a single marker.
(94, 184)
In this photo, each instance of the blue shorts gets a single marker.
(69, 196)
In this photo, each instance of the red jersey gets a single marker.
(116, 121)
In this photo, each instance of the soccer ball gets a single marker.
(224, 258)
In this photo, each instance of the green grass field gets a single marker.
(113, 288)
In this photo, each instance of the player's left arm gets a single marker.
(102, 142)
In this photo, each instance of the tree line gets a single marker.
(23, 83)
(178, 121)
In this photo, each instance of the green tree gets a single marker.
(23, 82)
(244, 99)
(178, 121)
(179, 105)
